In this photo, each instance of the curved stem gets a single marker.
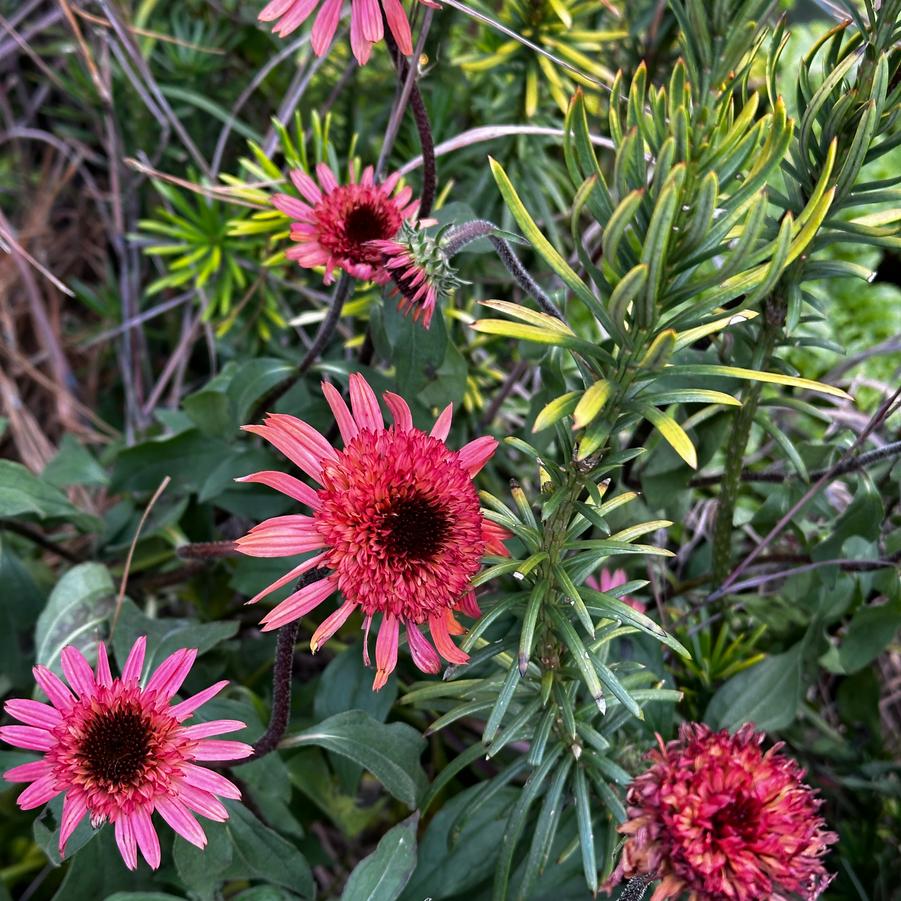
(323, 336)
(282, 675)
(457, 238)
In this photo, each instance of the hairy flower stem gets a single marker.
(458, 237)
(735, 449)
(282, 674)
(407, 77)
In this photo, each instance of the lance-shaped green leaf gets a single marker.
(616, 688)
(604, 604)
(556, 410)
(591, 403)
(586, 831)
(541, 244)
(752, 375)
(530, 620)
(569, 588)
(689, 336)
(545, 829)
(674, 435)
(625, 292)
(642, 528)
(580, 656)
(504, 697)
(516, 822)
(615, 228)
(691, 396)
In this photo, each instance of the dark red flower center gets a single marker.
(416, 528)
(116, 745)
(367, 223)
(738, 818)
(352, 215)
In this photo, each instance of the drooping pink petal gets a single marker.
(453, 627)
(305, 434)
(298, 604)
(469, 605)
(77, 671)
(74, 810)
(446, 648)
(104, 675)
(125, 839)
(181, 820)
(286, 484)
(209, 781)
(385, 651)
(475, 454)
(203, 803)
(367, 622)
(399, 25)
(495, 536)
(212, 727)
(330, 625)
(170, 674)
(212, 749)
(186, 708)
(400, 410)
(54, 687)
(361, 48)
(346, 424)
(28, 772)
(28, 737)
(146, 837)
(370, 15)
(290, 206)
(33, 713)
(38, 793)
(441, 429)
(422, 652)
(134, 665)
(289, 576)
(365, 404)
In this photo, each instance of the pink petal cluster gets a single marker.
(395, 518)
(334, 228)
(366, 24)
(119, 752)
(417, 292)
(716, 817)
(608, 580)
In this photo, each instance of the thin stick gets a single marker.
(884, 411)
(120, 597)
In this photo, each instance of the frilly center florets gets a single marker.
(351, 216)
(403, 523)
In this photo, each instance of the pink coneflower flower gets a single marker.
(336, 229)
(366, 26)
(716, 817)
(396, 519)
(608, 580)
(119, 752)
(419, 270)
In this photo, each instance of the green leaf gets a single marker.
(259, 852)
(673, 434)
(390, 752)
(870, 632)
(80, 603)
(383, 874)
(541, 244)
(556, 410)
(22, 493)
(416, 352)
(591, 403)
(253, 379)
(767, 694)
(46, 832)
(774, 378)
(73, 465)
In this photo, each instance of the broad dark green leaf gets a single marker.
(383, 874)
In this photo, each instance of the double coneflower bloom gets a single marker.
(366, 23)
(118, 751)
(395, 519)
(367, 229)
(717, 817)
